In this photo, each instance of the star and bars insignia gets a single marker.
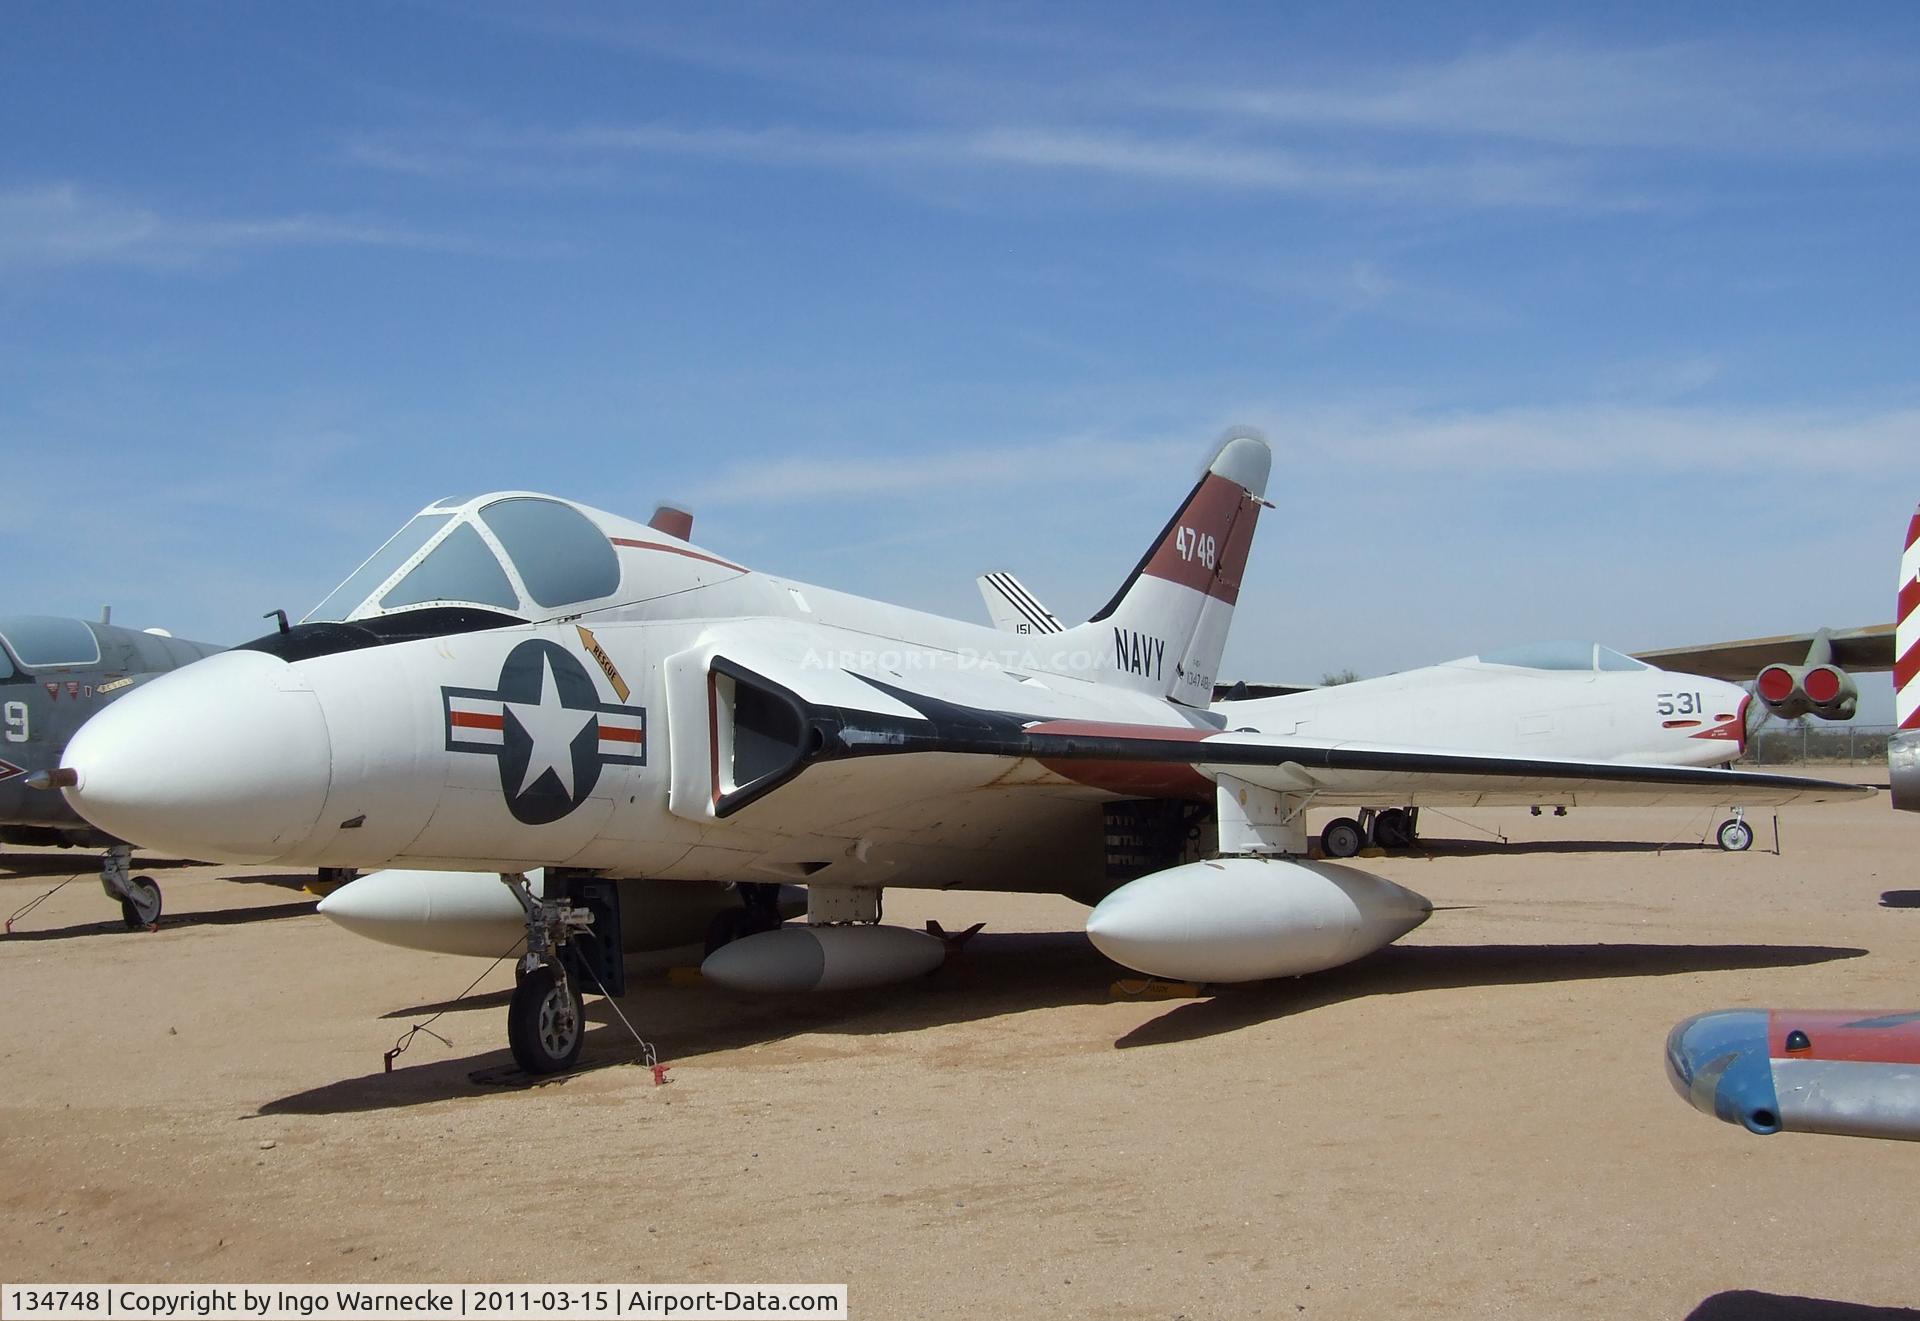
(547, 727)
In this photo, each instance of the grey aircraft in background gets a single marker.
(55, 673)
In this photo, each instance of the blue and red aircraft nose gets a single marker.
(1721, 1066)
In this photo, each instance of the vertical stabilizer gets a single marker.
(1013, 608)
(1165, 629)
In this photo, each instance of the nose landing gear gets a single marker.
(546, 1021)
(1735, 835)
(138, 896)
(573, 944)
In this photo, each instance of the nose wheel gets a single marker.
(138, 896)
(546, 1022)
(1735, 835)
(140, 906)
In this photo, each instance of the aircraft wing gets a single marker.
(1241, 690)
(1866, 650)
(908, 746)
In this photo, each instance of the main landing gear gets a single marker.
(138, 896)
(1393, 828)
(759, 910)
(573, 944)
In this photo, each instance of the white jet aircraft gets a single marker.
(517, 682)
(1575, 700)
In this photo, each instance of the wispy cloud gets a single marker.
(61, 224)
(1603, 437)
(792, 479)
(1563, 439)
(614, 154)
(1680, 96)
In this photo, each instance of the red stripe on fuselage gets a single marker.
(1114, 729)
(1732, 730)
(620, 734)
(475, 720)
(630, 543)
(1146, 779)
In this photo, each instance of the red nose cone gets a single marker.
(1776, 683)
(1822, 684)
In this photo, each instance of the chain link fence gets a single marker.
(1811, 742)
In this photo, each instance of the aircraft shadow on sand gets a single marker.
(220, 917)
(1398, 969)
(1482, 848)
(1752, 1305)
(1002, 975)
(77, 862)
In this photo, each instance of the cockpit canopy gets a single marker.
(1562, 656)
(524, 555)
(41, 642)
(52, 644)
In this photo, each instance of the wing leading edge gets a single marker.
(1866, 650)
(1184, 760)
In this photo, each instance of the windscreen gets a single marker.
(1544, 656)
(1611, 660)
(461, 568)
(401, 547)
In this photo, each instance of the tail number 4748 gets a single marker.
(1196, 546)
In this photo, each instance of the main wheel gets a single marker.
(1393, 829)
(1342, 838)
(140, 908)
(546, 1023)
(1735, 836)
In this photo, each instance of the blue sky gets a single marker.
(1562, 323)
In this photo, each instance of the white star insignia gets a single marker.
(552, 726)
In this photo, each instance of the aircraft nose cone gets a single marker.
(227, 759)
(1720, 1064)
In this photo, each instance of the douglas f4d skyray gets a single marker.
(516, 682)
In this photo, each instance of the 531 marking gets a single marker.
(1679, 704)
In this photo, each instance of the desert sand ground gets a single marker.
(1472, 1123)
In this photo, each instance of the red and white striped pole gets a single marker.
(1903, 750)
